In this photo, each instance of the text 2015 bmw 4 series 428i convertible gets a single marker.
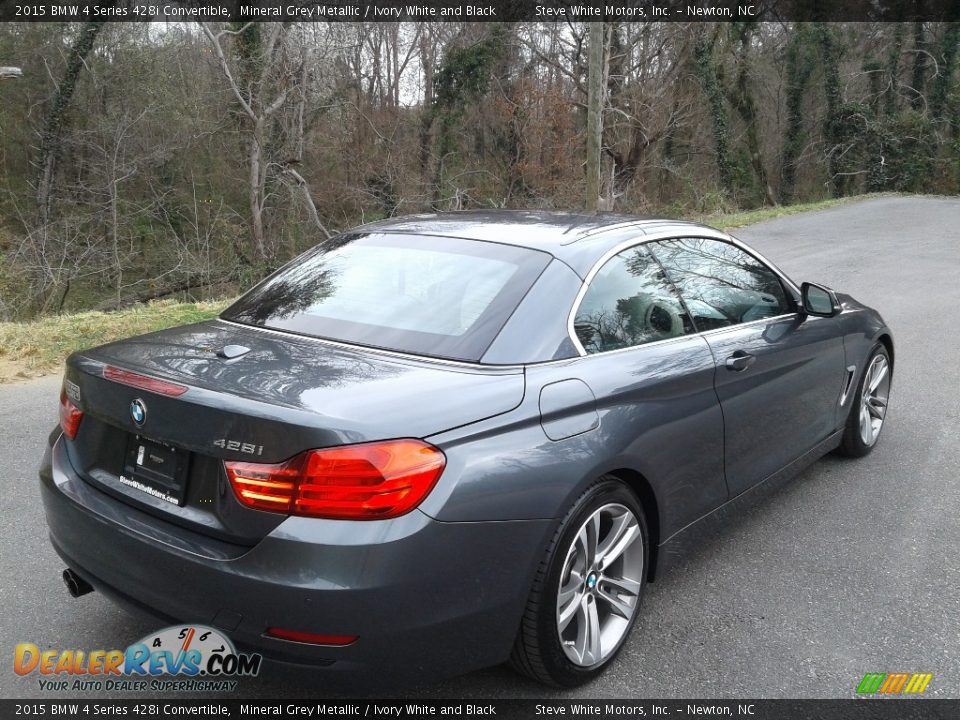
(437, 443)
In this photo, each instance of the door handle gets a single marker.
(740, 360)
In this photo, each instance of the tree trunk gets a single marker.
(920, 58)
(595, 98)
(155, 294)
(938, 95)
(892, 93)
(256, 198)
(427, 50)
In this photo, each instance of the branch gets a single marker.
(215, 40)
(311, 206)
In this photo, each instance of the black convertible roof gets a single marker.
(578, 239)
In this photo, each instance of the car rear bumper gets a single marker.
(425, 598)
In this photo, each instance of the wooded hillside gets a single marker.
(141, 161)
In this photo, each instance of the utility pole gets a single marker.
(596, 92)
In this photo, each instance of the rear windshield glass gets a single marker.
(441, 297)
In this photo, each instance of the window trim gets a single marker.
(585, 289)
(792, 291)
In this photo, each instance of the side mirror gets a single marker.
(818, 300)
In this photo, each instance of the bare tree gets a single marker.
(260, 100)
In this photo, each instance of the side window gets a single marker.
(629, 302)
(721, 284)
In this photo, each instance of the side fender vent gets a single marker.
(851, 375)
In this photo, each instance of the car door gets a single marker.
(779, 372)
(652, 378)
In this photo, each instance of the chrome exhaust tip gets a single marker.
(76, 585)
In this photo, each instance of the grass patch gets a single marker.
(34, 348)
(729, 221)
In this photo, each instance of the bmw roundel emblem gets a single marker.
(138, 412)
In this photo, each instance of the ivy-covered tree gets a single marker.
(742, 98)
(56, 114)
(833, 118)
(800, 64)
(707, 72)
(461, 80)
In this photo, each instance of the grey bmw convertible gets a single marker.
(438, 443)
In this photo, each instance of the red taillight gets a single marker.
(357, 482)
(312, 638)
(70, 416)
(126, 377)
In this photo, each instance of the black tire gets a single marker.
(852, 445)
(537, 651)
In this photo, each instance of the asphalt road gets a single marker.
(854, 567)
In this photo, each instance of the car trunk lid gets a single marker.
(279, 395)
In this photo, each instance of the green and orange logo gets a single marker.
(894, 683)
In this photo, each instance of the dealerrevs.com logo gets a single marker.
(181, 657)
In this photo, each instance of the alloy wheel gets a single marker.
(600, 585)
(873, 400)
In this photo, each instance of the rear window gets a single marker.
(441, 297)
